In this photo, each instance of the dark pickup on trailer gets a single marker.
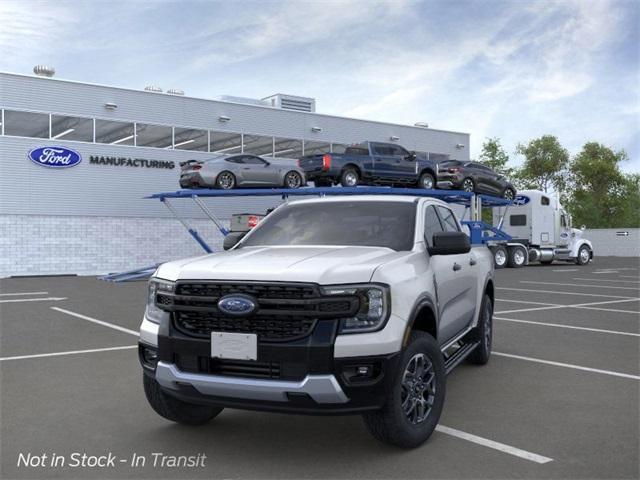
(371, 163)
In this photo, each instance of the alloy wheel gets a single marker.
(418, 388)
(518, 257)
(226, 181)
(467, 185)
(427, 182)
(351, 179)
(293, 180)
(508, 194)
(584, 255)
(500, 257)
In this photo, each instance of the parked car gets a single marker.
(335, 305)
(474, 177)
(241, 170)
(371, 163)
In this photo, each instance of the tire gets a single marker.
(225, 180)
(292, 180)
(427, 181)
(484, 333)
(517, 257)
(406, 430)
(508, 194)
(584, 255)
(176, 410)
(468, 185)
(349, 177)
(500, 256)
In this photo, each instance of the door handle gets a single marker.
(472, 261)
(456, 267)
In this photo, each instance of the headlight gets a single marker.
(373, 311)
(152, 312)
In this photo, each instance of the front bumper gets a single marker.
(300, 376)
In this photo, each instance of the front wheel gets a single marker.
(415, 400)
(293, 180)
(426, 181)
(176, 410)
(483, 333)
(509, 194)
(584, 255)
(468, 185)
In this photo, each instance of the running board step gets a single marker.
(459, 355)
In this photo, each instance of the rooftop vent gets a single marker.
(244, 100)
(153, 88)
(44, 71)
(175, 91)
(291, 102)
(421, 124)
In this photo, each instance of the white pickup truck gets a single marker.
(336, 305)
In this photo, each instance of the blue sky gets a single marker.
(514, 69)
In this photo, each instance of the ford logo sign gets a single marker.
(237, 305)
(521, 200)
(55, 157)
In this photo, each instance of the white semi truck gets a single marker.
(540, 230)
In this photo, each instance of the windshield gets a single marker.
(372, 224)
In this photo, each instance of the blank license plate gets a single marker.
(237, 346)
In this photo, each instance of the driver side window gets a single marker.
(432, 225)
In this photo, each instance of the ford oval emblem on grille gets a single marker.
(236, 304)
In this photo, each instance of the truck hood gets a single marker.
(323, 265)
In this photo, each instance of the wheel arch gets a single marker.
(354, 166)
(430, 171)
(423, 317)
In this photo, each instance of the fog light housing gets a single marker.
(358, 373)
(148, 357)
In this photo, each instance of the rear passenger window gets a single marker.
(448, 220)
(518, 220)
(431, 225)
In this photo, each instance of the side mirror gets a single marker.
(412, 156)
(232, 239)
(266, 163)
(449, 243)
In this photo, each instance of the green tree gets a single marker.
(545, 164)
(494, 156)
(600, 195)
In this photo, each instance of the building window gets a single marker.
(517, 220)
(157, 136)
(71, 128)
(190, 139)
(315, 148)
(258, 145)
(114, 133)
(26, 124)
(225, 142)
(287, 148)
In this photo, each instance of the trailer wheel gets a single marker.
(500, 256)
(584, 255)
(517, 257)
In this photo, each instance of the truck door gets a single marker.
(454, 277)
(384, 161)
(565, 230)
(404, 168)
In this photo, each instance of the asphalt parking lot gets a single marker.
(559, 398)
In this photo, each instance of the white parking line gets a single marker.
(604, 280)
(19, 300)
(572, 327)
(628, 276)
(23, 293)
(71, 352)
(532, 457)
(561, 293)
(567, 365)
(581, 285)
(588, 306)
(528, 302)
(95, 320)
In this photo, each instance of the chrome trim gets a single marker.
(321, 388)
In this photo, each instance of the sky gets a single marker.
(509, 69)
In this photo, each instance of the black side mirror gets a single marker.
(232, 239)
(449, 243)
(412, 156)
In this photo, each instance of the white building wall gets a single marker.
(612, 241)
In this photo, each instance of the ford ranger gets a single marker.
(335, 305)
(371, 163)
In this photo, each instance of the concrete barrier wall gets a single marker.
(614, 242)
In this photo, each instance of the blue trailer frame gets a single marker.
(480, 232)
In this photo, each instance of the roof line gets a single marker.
(232, 103)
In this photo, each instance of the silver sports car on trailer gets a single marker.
(241, 170)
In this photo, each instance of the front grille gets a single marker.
(231, 368)
(268, 328)
(284, 312)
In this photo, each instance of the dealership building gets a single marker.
(92, 217)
